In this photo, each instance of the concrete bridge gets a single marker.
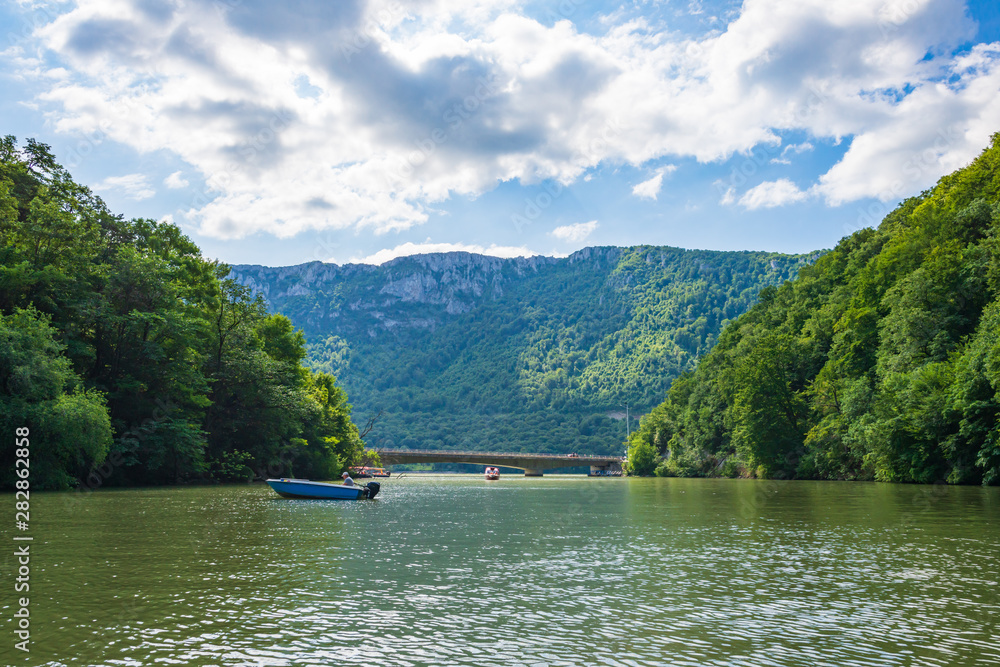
(533, 465)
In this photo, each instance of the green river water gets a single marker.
(453, 570)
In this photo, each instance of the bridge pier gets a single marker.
(531, 472)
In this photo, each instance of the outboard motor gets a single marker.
(373, 489)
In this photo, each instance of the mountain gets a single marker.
(539, 354)
(880, 361)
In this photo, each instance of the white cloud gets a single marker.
(409, 248)
(134, 186)
(933, 131)
(796, 149)
(574, 233)
(771, 194)
(449, 98)
(651, 188)
(176, 181)
(728, 197)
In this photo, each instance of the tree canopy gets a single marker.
(880, 361)
(132, 359)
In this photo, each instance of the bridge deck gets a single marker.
(530, 463)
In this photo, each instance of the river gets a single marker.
(560, 570)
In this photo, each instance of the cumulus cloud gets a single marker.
(934, 130)
(133, 186)
(574, 233)
(651, 188)
(176, 181)
(307, 114)
(771, 194)
(409, 248)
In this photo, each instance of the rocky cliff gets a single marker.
(415, 292)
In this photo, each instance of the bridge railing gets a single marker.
(450, 452)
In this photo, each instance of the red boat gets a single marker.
(361, 473)
(492, 473)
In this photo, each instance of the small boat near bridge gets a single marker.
(361, 473)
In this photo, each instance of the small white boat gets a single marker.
(492, 473)
(304, 488)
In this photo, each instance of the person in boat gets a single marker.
(347, 479)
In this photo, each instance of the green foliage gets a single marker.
(767, 411)
(880, 361)
(643, 458)
(69, 427)
(234, 466)
(120, 345)
(73, 435)
(534, 355)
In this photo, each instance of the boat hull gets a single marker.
(305, 489)
(364, 473)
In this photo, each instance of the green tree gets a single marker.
(879, 361)
(642, 457)
(69, 426)
(121, 342)
(768, 414)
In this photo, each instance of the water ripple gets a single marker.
(558, 571)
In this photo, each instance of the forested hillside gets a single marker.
(463, 351)
(132, 359)
(881, 361)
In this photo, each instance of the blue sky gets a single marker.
(359, 130)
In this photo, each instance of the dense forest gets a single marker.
(540, 354)
(880, 361)
(134, 360)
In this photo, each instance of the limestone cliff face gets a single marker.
(419, 291)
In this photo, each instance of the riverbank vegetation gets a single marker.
(134, 360)
(879, 362)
